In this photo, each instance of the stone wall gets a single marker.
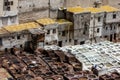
(30, 10)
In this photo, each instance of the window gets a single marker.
(8, 3)
(119, 25)
(54, 30)
(75, 42)
(98, 30)
(111, 27)
(18, 37)
(0, 41)
(65, 40)
(5, 3)
(82, 42)
(8, 8)
(11, 2)
(99, 19)
(13, 37)
(4, 21)
(114, 27)
(84, 32)
(114, 16)
(69, 40)
(59, 33)
(105, 36)
(13, 19)
(106, 28)
(63, 33)
(48, 32)
(20, 7)
(23, 36)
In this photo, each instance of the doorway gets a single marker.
(115, 36)
(111, 37)
(60, 43)
(82, 42)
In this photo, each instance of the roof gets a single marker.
(3, 31)
(21, 27)
(93, 10)
(46, 21)
(76, 9)
(108, 8)
(61, 21)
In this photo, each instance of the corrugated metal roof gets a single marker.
(20, 27)
(46, 21)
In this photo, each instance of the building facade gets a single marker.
(51, 32)
(81, 22)
(111, 28)
(96, 24)
(17, 35)
(65, 32)
(8, 12)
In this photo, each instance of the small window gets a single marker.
(65, 40)
(8, 8)
(91, 18)
(0, 41)
(8, 3)
(63, 33)
(82, 42)
(20, 7)
(54, 30)
(75, 42)
(18, 37)
(99, 19)
(84, 32)
(13, 37)
(69, 40)
(98, 30)
(5, 3)
(114, 16)
(105, 36)
(11, 2)
(59, 33)
(110, 27)
(114, 27)
(48, 32)
(13, 19)
(23, 36)
(106, 28)
(119, 25)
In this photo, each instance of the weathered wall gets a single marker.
(94, 23)
(51, 36)
(34, 9)
(8, 13)
(68, 37)
(9, 42)
(13, 8)
(115, 3)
